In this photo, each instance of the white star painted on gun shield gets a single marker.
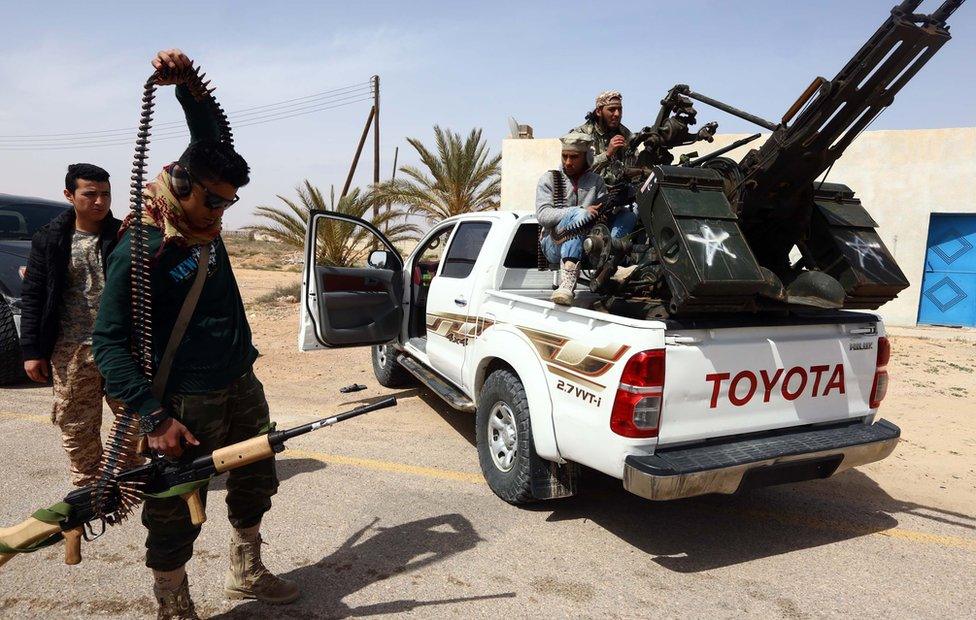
(713, 242)
(865, 248)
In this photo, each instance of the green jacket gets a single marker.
(216, 348)
(601, 140)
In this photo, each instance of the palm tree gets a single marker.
(460, 177)
(338, 244)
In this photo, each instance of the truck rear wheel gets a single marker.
(11, 361)
(387, 369)
(504, 437)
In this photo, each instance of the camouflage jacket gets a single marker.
(601, 140)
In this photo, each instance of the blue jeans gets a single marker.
(622, 225)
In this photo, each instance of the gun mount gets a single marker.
(720, 233)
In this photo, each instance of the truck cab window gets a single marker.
(425, 266)
(464, 249)
(523, 253)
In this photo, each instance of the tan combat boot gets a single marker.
(568, 275)
(247, 576)
(622, 274)
(176, 604)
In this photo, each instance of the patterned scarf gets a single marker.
(163, 210)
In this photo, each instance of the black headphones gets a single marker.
(180, 181)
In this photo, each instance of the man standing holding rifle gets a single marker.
(212, 398)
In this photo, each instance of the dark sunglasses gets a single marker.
(182, 182)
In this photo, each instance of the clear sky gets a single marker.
(78, 67)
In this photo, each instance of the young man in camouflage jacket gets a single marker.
(62, 290)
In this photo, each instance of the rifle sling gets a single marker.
(182, 321)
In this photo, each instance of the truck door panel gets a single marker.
(449, 299)
(346, 300)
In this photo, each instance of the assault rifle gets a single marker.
(72, 518)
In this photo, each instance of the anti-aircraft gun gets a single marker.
(720, 233)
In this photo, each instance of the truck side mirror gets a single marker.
(378, 259)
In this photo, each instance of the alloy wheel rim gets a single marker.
(502, 436)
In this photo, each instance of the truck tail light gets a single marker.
(637, 406)
(880, 387)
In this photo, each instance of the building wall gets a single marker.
(901, 177)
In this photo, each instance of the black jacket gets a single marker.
(46, 278)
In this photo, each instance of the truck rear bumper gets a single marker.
(728, 467)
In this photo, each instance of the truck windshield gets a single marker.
(21, 220)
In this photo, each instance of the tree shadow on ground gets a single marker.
(708, 532)
(370, 555)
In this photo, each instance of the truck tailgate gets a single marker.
(731, 381)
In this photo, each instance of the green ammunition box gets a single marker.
(844, 244)
(707, 260)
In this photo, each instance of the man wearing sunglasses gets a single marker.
(212, 397)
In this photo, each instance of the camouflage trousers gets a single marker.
(78, 393)
(216, 419)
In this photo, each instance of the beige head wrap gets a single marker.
(607, 96)
(579, 142)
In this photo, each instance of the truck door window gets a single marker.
(523, 253)
(429, 257)
(468, 239)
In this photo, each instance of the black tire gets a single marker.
(387, 369)
(11, 361)
(503, 397)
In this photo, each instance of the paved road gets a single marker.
(388, 514)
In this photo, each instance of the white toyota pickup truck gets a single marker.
(672, 408)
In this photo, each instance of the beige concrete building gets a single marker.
(917, 184)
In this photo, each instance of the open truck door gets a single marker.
(352, 287)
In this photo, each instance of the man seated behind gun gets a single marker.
(584, 193)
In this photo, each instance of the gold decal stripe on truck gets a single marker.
(575, 355)
(456, 327)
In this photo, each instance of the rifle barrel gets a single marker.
(282, 436)
(722, 151)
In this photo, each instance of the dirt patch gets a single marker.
(571, 590)
(252, 254)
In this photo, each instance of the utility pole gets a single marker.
(396, 154)
(374, 120)
(376, 136)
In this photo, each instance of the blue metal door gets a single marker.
(949, 283)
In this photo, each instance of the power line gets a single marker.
(169, 135)
(235, 117)
(362, 88)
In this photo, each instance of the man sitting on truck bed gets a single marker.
(567, 197)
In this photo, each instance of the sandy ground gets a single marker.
(388, 515)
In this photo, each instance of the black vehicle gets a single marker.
(20, 217)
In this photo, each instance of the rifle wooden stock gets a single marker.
(26, 534)
(197, 514)
(72, 546)
(242, 453)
